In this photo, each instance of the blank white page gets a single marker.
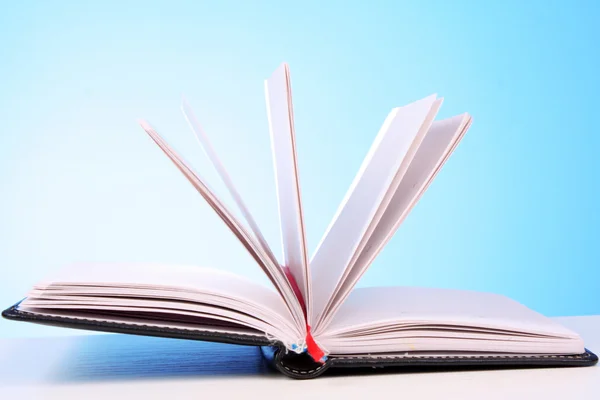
(278, 93)
(435, 149)
(364, 198)
(385, 306)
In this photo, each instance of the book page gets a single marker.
(182, 278)
(173, 292)
(403, 129)
(456, 345)
(441, 139)
(344, 286)
(140, 319)
(271, 269)
(426, 319)
(278, 93)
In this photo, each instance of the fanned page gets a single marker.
(441, 139)
(380, 174)
(269, 267)
(225, 177)
(281, 125)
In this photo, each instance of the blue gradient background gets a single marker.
(514, 211)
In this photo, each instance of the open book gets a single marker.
(313, 317)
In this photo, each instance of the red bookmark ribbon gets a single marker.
(312, 348)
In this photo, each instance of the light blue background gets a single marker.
(514, 211)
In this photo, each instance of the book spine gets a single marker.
(294, 365)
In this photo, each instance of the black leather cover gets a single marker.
(301, 366)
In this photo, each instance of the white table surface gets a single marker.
(108, 366)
